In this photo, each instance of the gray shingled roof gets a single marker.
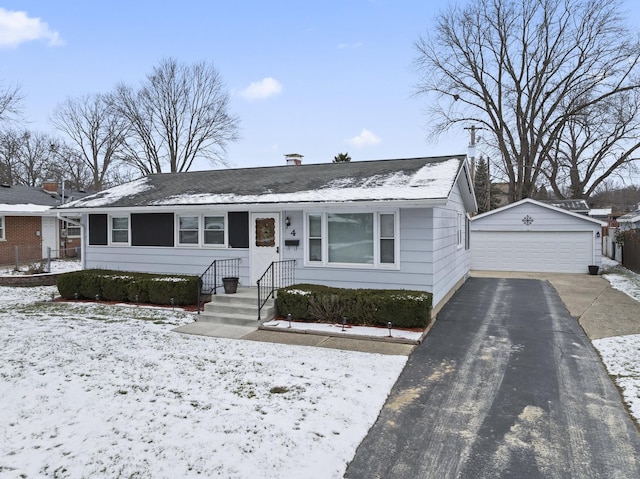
(258, 182)
(577, 206)
(630, 217)
(32, 195)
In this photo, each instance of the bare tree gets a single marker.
(96, 132)
(68, 166)
(180, 113)
(524, 69)
(25, 158)
(11, 142)
(35, 165)
(596, 145)
(10, 103)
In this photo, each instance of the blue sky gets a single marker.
(310, 77)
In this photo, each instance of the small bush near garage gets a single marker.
(126, 286)
(309, 302)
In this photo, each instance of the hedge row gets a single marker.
(308, 302)
(125, 286)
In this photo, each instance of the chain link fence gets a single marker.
(30, 258)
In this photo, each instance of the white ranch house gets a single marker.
(387, 224)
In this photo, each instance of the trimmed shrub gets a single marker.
(126, 286)
(404, 308)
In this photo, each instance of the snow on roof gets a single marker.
(599, 211)
(25, 208)
(380, 180)
(112, 194)
(630, 217)
(431, 181)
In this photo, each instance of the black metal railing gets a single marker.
(211, 279)
(279, 274)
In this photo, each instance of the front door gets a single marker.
(264, 243)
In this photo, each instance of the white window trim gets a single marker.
(176, 224)
(460, 231)
(110, 231)
(200, 243)
(225, 241)
(3, 229)
(325, 263)
(77, 220)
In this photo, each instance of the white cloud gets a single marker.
(262, 89)
(18, 27)
(365, 138)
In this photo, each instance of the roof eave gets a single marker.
(425, 202)
(544, 205)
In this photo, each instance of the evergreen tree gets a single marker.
(486, 193)
(342, 158)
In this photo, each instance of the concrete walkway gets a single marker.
(506, 385)
(352, 343)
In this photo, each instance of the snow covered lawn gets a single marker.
(621, 354)
(103, 391)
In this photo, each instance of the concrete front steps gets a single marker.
(240, 308)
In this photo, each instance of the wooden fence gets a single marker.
(631, 250)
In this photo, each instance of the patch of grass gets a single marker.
(279, 390)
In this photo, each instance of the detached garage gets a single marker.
(533, 236)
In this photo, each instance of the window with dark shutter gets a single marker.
(98, 230)
(238, 229)
(152, 229)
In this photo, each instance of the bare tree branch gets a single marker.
(179, 114)
(10, 103)
(524, 69)
(96, 132)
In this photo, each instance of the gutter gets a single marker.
(83, 245)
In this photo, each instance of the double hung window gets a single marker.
(214, 230)
(195, 230)
(188, 230)
(120, 230)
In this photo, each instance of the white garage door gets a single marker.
(561, 251)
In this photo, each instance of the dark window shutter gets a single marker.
(238, 229)
(152, 229)
(98, 229)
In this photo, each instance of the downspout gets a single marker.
(83, 244)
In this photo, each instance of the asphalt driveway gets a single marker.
(506, 385)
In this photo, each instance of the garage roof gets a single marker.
(544, 205)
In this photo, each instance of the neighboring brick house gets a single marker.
(27, 222)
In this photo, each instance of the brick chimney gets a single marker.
(293, 159)
(50, 186)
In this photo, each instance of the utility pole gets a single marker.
(488, 184)
(472, 150)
